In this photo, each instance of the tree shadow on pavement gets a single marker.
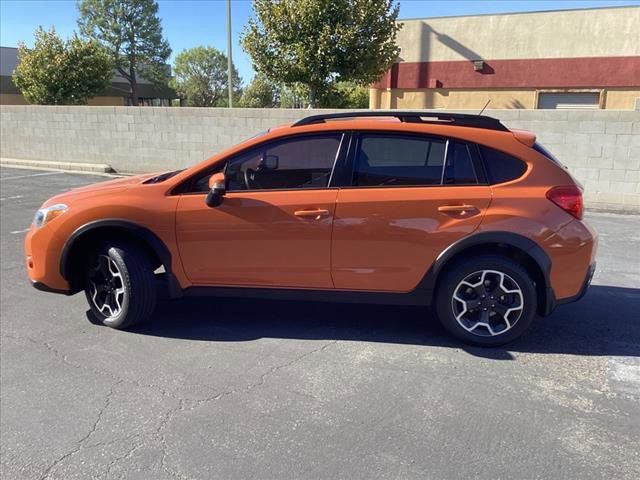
(605, 322)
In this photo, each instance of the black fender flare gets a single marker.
(143, 233)
(428, 283)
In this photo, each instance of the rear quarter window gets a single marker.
(502, 167)
(541, 149)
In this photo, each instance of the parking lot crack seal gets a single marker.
(80, 443)
(63, 358)
(163, 441)
(290, 363)
(182, 407)
(126, 456)
(261, 380)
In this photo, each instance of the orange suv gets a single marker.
(449, 210)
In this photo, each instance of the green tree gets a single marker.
(319, 42)
(294, 95)
(200, 75)
(260, 93)
(131, 31)
(346, 95)
(55, 72)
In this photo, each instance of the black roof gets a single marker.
(413, 116)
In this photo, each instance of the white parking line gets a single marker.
(15, 232)
(14, 197)
(16, 177)
(624, 375)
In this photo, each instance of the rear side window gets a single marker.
(501, 166)
(394, 160)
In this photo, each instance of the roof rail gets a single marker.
(412, 116)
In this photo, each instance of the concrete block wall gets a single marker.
(600, 147)
(131, 139)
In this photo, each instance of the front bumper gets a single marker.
(42, 260)
(44, 288)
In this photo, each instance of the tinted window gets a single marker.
(384, 159)
(459, 168)
(201, 184)
(541, 149)
(501, 166)
(304, 162)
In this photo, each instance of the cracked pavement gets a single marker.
(222, 388)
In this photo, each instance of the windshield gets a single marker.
(162, 177)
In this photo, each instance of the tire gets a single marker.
(504, 313)
(120, 285)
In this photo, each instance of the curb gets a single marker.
(67, 166)
(613, 208)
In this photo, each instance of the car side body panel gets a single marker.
(144, 205)
(371, 239)
(385, 239)
(573, 249)
(258, 238)
(521, 207)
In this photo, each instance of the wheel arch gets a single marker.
(512, 245)
(80, 242)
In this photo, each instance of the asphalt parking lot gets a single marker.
(270, 390)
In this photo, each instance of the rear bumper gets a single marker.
(552, 303)
(583, 289)
(572, 251)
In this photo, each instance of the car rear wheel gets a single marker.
(120, 285)
(487, 301)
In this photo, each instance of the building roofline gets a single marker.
(524, 12)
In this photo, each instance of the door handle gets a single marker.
(459, 210)
(316, 214)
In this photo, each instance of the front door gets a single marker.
(273, 228)
(410, 197)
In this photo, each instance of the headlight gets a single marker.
(45, 215)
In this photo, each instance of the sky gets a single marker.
(189, 23)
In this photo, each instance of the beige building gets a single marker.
(586, 58)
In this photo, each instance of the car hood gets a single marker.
(100, 188)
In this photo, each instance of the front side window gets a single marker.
(395, 160)
(303, 162)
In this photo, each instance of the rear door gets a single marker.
(406, 199)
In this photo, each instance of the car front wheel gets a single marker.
(120, 285)
(487, 301)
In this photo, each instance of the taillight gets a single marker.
(568, 198)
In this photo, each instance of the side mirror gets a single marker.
(217, 190)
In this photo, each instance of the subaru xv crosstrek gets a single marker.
(449, 210)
